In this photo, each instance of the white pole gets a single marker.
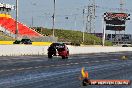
(104, 28)
(83, 25)
(75, 23)
(17, 31)
(32, 21)
(53, 28)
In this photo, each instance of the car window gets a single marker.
(58, 45)
(61, 49)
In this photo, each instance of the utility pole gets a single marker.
(121, 9)
(103, 28)
(94, 15)
(17, 31)
(83, 25)
(91, 17)
(32, 21)
(75, 22)
(53, 28)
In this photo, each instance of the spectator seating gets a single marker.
(10, 25)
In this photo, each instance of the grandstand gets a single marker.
(4, 37)
(8, 24)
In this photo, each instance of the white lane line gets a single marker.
(19, 69)
(115, 59)
(85, 62)
(45, 66)
(52, 65)
(36, 67)
(29, 68)
(58, 65)
(7, 70)
(83, 57)
(96, 61)
(105, 60)
(2, 70)
(40, 66)
(71, 63)
(67, 64)
(70, 58)
(76, 63)
(13, 69)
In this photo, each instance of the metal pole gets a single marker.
(75, 23)
(104, 28)
(17, 31)
(88, 20)
(53, 28)
(83, 24)
(94, 15)
(32, 22)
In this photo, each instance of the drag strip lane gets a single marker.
(57, 65)
(63, 73)
(42, 77)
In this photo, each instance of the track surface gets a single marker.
(39, 72)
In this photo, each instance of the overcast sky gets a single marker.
(42, 11)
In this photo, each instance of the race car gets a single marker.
(58, 49)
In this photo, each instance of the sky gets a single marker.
(41, 11)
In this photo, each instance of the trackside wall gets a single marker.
(18, 50)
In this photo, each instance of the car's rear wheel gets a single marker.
(63, 57)
(67, 57)
(49, 56)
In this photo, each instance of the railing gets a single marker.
(6, 32)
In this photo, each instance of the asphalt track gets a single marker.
(39, 72)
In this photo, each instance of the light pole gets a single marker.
(32, 22)
(53, 28)
(103, 28)
(83, 25)
(17, 31)
(75, 22)
(32, 18)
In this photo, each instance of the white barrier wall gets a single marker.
(85, 50)
(16, 50)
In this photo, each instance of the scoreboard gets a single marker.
(116, 21)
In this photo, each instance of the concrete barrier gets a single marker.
(19, 50)
(85, 50)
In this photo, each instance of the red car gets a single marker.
(58, 49)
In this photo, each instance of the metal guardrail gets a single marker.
(6, 32)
